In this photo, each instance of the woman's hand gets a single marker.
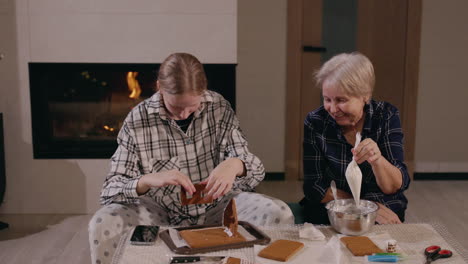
(164, 178)
(222, 177)
(386, 216)
(388, 177)
(367, 150)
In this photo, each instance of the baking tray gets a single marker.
(260, 238)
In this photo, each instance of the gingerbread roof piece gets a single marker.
(230, 217)
(197, 198)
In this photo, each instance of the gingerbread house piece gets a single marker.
(230, 217)
(216, 236)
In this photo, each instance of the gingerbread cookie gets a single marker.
(281, 250)
(360, 245)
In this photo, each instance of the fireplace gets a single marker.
(77, 109)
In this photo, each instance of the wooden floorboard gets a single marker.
(21, 225)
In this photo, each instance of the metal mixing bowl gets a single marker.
(347, 219)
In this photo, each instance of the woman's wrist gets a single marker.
(388, 176)
(378, 162)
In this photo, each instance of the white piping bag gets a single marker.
(354, 175)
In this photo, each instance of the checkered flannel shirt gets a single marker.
(149, 141)
(327, 154)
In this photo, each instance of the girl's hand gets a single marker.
(164, 178)
(222, 177)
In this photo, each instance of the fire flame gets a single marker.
(108, 128)
(133, 85)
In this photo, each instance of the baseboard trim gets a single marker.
(274, 176)
(418, 176)
(454, 176)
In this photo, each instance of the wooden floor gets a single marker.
(22, 225)
(429, 201)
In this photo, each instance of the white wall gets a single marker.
(261, 78)
(441, 125)
(91, 31)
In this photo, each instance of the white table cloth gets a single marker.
(411, 239)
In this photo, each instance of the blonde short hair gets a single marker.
(352, 72)
(182, 73)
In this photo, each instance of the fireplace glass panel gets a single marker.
(78, 108)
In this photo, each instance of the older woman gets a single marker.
(347, 81)
(183, 134)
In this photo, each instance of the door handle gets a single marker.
(314, 49)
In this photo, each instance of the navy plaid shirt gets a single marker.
(327, 154)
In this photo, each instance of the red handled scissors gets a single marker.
(435, 252)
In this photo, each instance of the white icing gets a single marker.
(228, 231)
(354, 175)
(353, 209)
